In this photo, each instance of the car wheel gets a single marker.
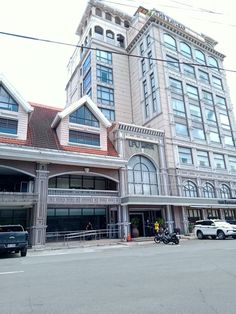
(213, 237)
(200, 235)
(220, 235)
(234, 236)
(23, 252)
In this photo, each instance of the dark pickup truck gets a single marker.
(13, 238)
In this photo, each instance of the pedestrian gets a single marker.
(156, 227)
(88, 228)
(148, 228)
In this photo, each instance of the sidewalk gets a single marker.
(101, 242)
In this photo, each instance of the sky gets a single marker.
(39, 70)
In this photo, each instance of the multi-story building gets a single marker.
(148, 132)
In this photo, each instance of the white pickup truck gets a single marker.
(215, 228)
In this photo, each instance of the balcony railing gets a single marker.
(78, 192)
(17, 198)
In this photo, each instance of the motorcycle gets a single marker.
(166, 237)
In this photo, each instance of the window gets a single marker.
(126, 24)
(224, 119)
(192, 92)
(207, 98)
(6, 101)
(228, 140)
(213, 63)
(176, 86)
(172, 63)
(110, 34)
(217, 83)
(153, 89)
(214, 137)
(190, 189)
(232, 163)
(181, 129)
(8, 126)
(200, 57)
(98, 12)
(178, 107)
(225, 191)
(108, 16)
(84, 138)
(87, 82)
(203, 158)
(221, 101)
(84, 116)
(148, 40)
(143, 66)
(142, 176)
(208, 190)
(210, 116)
(104, 56)
(141, 48)
(198, 133)
(189, 70)
(195, 112)
(150, 59)
(185, 155)
(121, 39)
(108, 113)
(105, 95)
(117, 20)
(104, 74)
(98, 30)
(219, 161)
(170, 42)
(146, 104)
(204, 77)
(185, 50)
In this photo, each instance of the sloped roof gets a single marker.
(85, 100)
(14, 93)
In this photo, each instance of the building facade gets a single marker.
(147, 132)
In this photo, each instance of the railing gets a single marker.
(78, 192)
(92, 235)
(17, 197)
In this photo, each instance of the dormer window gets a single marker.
(117, 20)
(108, 16)
(8, 126)
(84, 116)
(98, 12)
(98, 30)
(85, 138)
(6, 101)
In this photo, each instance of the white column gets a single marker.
(169, 216)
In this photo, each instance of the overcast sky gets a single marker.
(38, 70)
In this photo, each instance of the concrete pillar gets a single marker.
(164, 189)
(39, 217)
(169, 220)
(185, 220)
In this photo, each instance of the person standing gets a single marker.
(156, 227)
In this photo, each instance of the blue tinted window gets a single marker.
(84, 138)
(8, 126)
(105, 95)
(6, 101)
(84, 116)
(104, 56)
(87, 64)
(104, 74)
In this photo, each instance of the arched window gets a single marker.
(98, 12)
(98, 30)
(170, 42)
(190, 189)
(185, 50)
(208, 190)
(200, 57)
(121, 40)
(110, 34)
(142, 176)
(225, 191)
(108, 16)
(117, 20)
(213, 63)
(126, 24)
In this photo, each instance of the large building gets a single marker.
(147, 132)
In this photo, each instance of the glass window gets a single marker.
(117, 20)
(208, 190)
(141, 48)
(185, 155)
(126, 24)
(6, 101)
(87, 82)
(170, 42)
(84, 138)
(143, 66)
(105, 95)
(98, 12)
(207, 97)
(108, 16)
(232, 163)
(178, 107)
(213, 63)
(192, 92)
(172, 63)
(98, 30)
(104, 56)
(228, 140)
(185, 50)
(217, 83)
(214, 137)
(203, 158)
(142, 176)
(224, 119)
(87, 63)
(108, 113)
(150, 59)
(104, 74)
(110, 34)
(153, 89)
(219, 161)
(210, 116)
(195, 112)
(176, 86)
(190, 189)
(200, 57)
(221, 101)
(121, 40)
(148, 40)
(181, 129)
(204, 77)
(189, 70)
(8, 126)
(198, 133)
(84, 116)
(225, 191)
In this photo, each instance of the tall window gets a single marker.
(181, 129)
(117, 20)
(173, 63)
(200, 57)
(210, 116)
(232, 163)
(185, 50)
(104, 56)
(84, 116)
(6, 101)
(212, 62)
(153, 89)
(146, 104)
(105, 95)
(221, 101)
(142, 176)
(189, 70)
(87, 63)
(84, 138)
(178, 107)
(87, 82)
(192, 92)
(224, 119)
(143, 66)
(170, 42)
(214, 137)
(195, 112)
(185, 155)
(208, 190)
(176, 86)
(207, 98)
(141, 48)
(198, 133)
(204, 77)
(150, 61)
(8, 126)
(219, 161)
(217, 83)
(108, 113)
(104, 74)
(148, 40)
(190, 189)
(203, 158)
(225, 191)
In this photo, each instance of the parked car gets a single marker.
(13, 238)
(214, 228)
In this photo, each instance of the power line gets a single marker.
(113, 52)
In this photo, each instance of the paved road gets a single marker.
(193, 277)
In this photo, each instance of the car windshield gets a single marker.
(10, 228)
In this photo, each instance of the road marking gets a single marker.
(12, 272)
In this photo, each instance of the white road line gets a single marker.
(12, 272)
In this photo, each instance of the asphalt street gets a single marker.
(193, 277)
